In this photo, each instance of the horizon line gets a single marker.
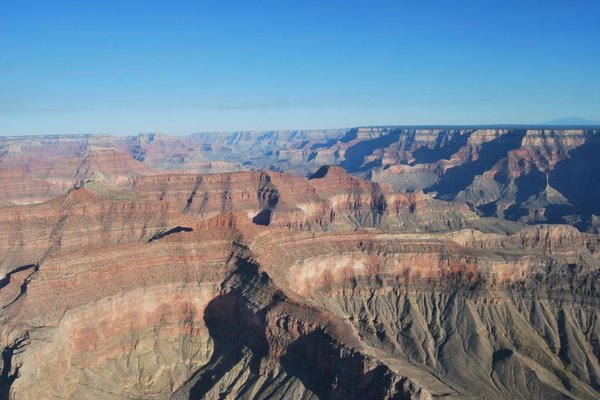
(400, 126)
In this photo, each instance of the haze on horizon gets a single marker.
(123, 67)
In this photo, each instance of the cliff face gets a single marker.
(509, 322)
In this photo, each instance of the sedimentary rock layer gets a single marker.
(384, 263)
(267, 285)
(527, 174)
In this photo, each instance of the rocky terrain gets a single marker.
(525, 174)
(346, 264)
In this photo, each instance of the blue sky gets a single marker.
(124, 67)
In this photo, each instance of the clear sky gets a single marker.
(175, 66)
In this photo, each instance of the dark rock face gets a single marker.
(459, 178)
(577, 177)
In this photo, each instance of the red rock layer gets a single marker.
(148, 291)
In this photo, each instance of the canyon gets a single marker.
(523, 174)
(375, 262)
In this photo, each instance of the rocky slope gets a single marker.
(261, 284)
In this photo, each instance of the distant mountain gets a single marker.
(571, 121)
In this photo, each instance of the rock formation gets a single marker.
(143, 282)
(528, 174)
